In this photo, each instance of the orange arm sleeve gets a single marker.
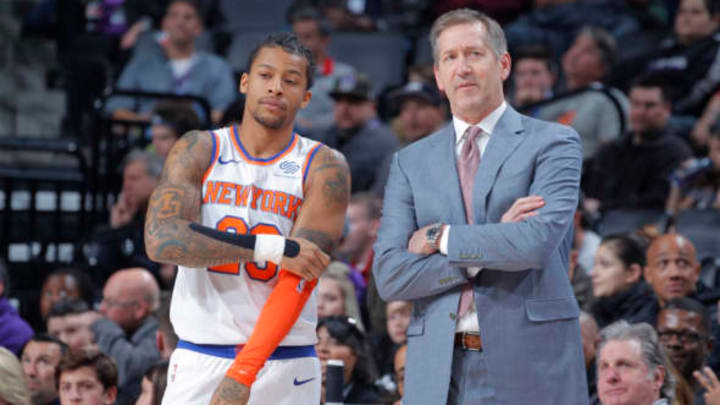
(281, 310)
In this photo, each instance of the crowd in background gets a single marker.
(638, 79)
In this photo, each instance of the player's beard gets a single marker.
(271, 122)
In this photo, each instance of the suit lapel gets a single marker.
(505, 138)
(443, 163)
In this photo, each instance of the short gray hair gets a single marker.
(153, 162)
(493, 32)
(653, 354)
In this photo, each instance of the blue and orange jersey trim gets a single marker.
(308, 162)
(215, 153)
(261, 161)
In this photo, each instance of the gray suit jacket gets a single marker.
(526, 308)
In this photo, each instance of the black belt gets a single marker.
(469, 341)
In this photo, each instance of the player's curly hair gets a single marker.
(290, 44)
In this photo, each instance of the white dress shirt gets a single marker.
(469, 322)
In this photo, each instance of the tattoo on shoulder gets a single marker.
(324, 240)
(336, 187)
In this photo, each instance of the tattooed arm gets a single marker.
(327, 195)
(175, 203)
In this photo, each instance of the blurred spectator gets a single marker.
(696, 185)
(502, 10)
(154, 383)
(673, 271)
(339, 338)
(347, 16)
(700, 135)
(14, 331)
(314, 31)
(336, 293)
(590, 334)
(68, 321)
(534, 75)
(88, 379)
(553, 21)
(618, 288)
(684, 328)
(177, 67)
(399, 361)
(13, 390)
(141, 173)
(363, 216)
(65, 283)
(632, 367)
(40, 358)
(123, 245)
(165, 337)
(126, 331)
(421, 112)
(384, 345)
(632, 172)
(170, 121)
(593, 114)
(689, 59)
(357, 132)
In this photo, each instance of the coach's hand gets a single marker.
(523, 208)
(309, 263)
(230, 392)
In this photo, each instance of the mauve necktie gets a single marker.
(468, 163)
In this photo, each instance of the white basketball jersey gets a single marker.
(243, 194)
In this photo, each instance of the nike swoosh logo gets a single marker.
(227, 161)
(301, 382)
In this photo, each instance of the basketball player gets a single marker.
(247, 213)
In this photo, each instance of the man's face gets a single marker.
(275, 88)
(138, 185)
(71, 330)
(469, 72)
(351, 112)
(624, 378)
(583, 63)
(684, 338)
(672, 268)
(120, 307)
(398, 320)
(56, 288)
(39, 361)
(182, 23)
(163, 138)
(533, 80)
(648, 111)
(362, 232)
(309, 35)
(82, 387)
(419, 118)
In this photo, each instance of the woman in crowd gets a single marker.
(618, 287)
(336, 293)
(153, 385)
(340, 338)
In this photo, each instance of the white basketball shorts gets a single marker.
(291, 376)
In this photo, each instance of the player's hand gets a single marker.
(709, 381)
(419, 244)
(309, 263)
(523, 208)
(230, 392)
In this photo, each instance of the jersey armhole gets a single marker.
(308, 163)
(216, 151)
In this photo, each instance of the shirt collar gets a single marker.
(487, 124)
